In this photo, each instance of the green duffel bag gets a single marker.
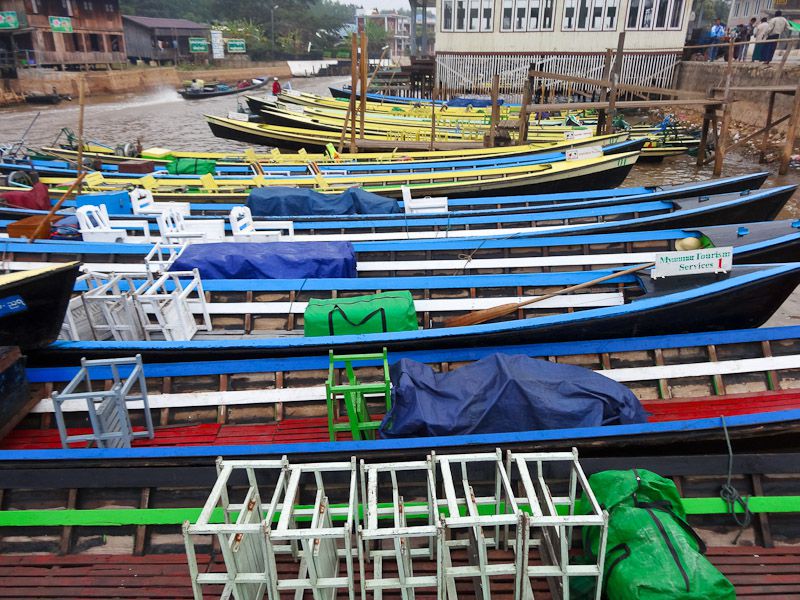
(651, 551)
(654, 555)
(375, 313)
(191, 166)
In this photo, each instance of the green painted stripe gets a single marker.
(116, 517)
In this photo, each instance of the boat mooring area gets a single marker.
(432, 320)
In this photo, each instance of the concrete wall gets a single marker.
(750, 107)
(133, 79)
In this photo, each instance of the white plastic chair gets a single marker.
(175, 230)
(95, 226)
(246, 230)
(427, 204)
(143, 204)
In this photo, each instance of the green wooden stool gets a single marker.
(354, 393)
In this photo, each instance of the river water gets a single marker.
(162, 118)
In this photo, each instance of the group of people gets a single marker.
(769, 30)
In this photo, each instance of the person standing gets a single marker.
(777, 25)
(717, 33)
(748, 32)
(276, 86)
(760, 34)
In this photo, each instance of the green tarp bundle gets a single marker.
(191, 166)
(652, 553)
(375, 313)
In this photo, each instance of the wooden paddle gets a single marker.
(477, 317)
(46, 219)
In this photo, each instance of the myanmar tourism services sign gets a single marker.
(693, 262)
(60, 24)
(9, 20)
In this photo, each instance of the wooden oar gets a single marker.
(487, 314)
(56, 206)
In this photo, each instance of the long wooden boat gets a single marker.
(637, 306)
(211, 91)
(606, 217)
(611, 144)
(763, 242)
(276, 406)
(131, 518)
(565, 176)
(33, 303)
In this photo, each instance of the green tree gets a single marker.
(377, 37)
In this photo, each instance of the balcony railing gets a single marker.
(35, 58)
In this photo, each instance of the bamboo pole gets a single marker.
(765, 140)
(523, 112)
(363, 72)
(495, 114)
(434, 95)
(46, 219)
(722, 139)
(81, 104)
(351, 106)
(615, 80)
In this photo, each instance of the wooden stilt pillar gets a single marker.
(601, 114)
(791, 133)
(701, 150)
(722, 139)
(353, 88)
(615, 77)
(495, 117)
(767, 126)
(522, 136)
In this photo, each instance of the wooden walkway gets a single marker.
(758, 573)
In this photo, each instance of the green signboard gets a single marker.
(61, 24)
(236, 47)
(198, 45)
(8, 20)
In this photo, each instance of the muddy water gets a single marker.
(164, 119)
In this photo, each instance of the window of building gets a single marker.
(520, 15)
(568, 22)
(35, 7)
(67, 5)
(447, 15)
(116, 43)
(474, 14)
(109, 7)
(610, 18)
(86, 5)
(655, 14)
(461, 15)
(508, 12)
(585, 15)
(487, 7)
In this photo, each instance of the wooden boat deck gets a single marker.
(755, 571)
(315, 429)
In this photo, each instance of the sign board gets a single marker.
(584, 153)
(693, 262)
(9, 20)
(577, 134)
(198, 45)
(237, 116)
(60, 24)
(217, 44)
(236, 46)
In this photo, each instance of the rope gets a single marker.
(730, 495)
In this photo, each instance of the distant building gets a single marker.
(161, 40)
(60, 33)
(478, 38)
(743, 10)
(397, 27)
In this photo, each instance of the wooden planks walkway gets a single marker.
(758, 573)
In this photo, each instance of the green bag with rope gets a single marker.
(374, 313)
(652, 553)
(191, 166)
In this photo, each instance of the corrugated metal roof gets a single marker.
(159, 23)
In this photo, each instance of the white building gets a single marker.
(478, 38)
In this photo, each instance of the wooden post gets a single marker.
(615, 76)
(364, 71)
(81, 102)
(701, 150)
(351, 106)
(790, 44)
(791, 133)
(523, 111)
(495, 109)
(765, 140)
(601, 113)
(722, 138)
(434, 97)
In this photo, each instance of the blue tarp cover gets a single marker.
(459, 102)
(269, 260)
(503, 393)
(278, 201)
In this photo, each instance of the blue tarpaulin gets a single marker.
(503, 393)
(269, 260)
(278, 201)
(459, 102)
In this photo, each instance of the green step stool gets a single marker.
(354, 393)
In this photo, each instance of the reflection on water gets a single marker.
(162, 118)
